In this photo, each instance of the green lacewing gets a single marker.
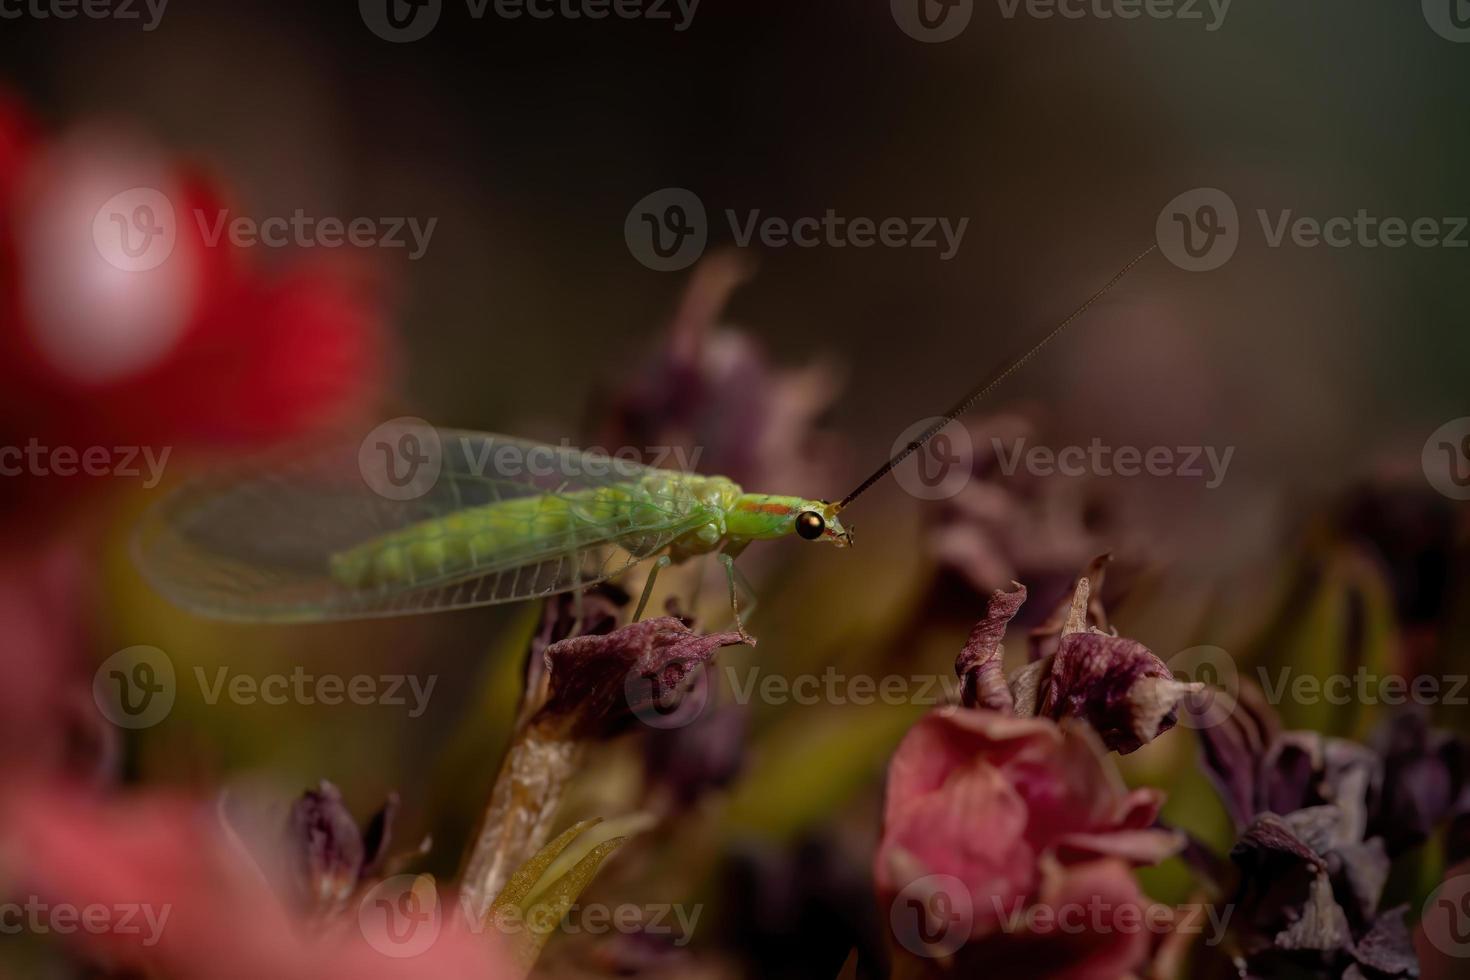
(319, 537)
(483, 519)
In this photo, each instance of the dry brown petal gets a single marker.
(325, 849)
(590, 694)
(980, 665)
(1117, 685)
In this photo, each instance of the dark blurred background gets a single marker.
(1060, 140)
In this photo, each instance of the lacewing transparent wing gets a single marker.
(483, 519)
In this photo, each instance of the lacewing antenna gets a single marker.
(986, 387)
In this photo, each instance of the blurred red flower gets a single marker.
(1013, 816)
(152, 883)
(48, 722)
(126, 321)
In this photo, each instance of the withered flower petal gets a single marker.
(714, 392)
(1304, 890)
(979, 665)
(590, 694)
(1426, 780)
(1116, 685)
(1234, 748)
(1388, 948)
(1027, 815)
(1305, 769)
(1007, 525)
(1289, 773)
(325, 849)
(1319, 924)
(1314, 871)
(601, 610)
(1125, 692)
(1271, 834)
(1075, 613)
(1359, 873)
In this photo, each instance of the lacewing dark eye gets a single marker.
(809, 525)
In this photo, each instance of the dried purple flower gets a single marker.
(1322, 819)
(1411, 780)
(1117, 685)
(1007, 524)
(1426, 780)
(1233, 751)
(327, 855)
(590, 695)
(1125, 692)
(591, 686)
(714, 391)
(600, 610)
(1308, 895)
(979, 665)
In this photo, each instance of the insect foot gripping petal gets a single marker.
(733, 576)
